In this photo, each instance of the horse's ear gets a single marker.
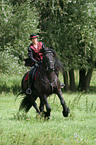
(53, 51)
(45, 49)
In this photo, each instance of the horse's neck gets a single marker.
(51, 76)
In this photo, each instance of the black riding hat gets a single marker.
(33, 36)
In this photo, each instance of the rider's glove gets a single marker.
(41, 61)
(36, 64)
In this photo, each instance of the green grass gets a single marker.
(30, 129)
(18, 128)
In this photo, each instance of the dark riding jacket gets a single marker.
(36, 55)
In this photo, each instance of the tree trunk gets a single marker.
(65, 76)
(82, 73)
(72, 80)
(88, 79)
(84, 79)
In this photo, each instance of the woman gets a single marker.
(35, 57)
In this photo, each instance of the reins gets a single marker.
(51, 84)
(44, 54)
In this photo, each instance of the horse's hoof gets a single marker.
(65, 113)
(47, 116)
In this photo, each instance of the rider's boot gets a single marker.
(62, 85)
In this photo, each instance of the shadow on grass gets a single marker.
(16, 88)
(92, 89)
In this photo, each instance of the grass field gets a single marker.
(18, 128)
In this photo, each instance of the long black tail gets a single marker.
(26, 104)
(19, 94)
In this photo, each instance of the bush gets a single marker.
(10, 64)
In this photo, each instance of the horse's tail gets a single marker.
(22, 92)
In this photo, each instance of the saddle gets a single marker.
(35, 71)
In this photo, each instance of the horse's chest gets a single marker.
(49, 85)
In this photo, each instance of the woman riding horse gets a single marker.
(35, 58)
(45, 83)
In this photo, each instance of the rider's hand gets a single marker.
(36, 64)
(41, 61)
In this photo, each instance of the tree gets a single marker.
(17, 22)
(68, 27)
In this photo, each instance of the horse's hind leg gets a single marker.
(41, 107)
(27, 103)
(65, 108)
(42, 103)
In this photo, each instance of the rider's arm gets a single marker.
(30, 55)
(43, 47)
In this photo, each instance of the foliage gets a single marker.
(65, 25)
(68, 27)
(17, 22)
(9, 63)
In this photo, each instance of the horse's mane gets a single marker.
(58, 62)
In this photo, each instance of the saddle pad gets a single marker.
(26, 78)
(34, 74)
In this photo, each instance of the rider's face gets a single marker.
(34, 40)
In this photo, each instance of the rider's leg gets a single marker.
(29, 91)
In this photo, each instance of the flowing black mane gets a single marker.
(57, 61)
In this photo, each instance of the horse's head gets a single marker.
(49, 60)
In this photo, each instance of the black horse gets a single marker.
(46, 83)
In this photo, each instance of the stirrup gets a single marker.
(62, 85)
(28, 91)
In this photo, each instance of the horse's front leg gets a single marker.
(41, 107)
(35, 106)
(65, 108)
(42, 103)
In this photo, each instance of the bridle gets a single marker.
(47, 63)
(47, 69)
